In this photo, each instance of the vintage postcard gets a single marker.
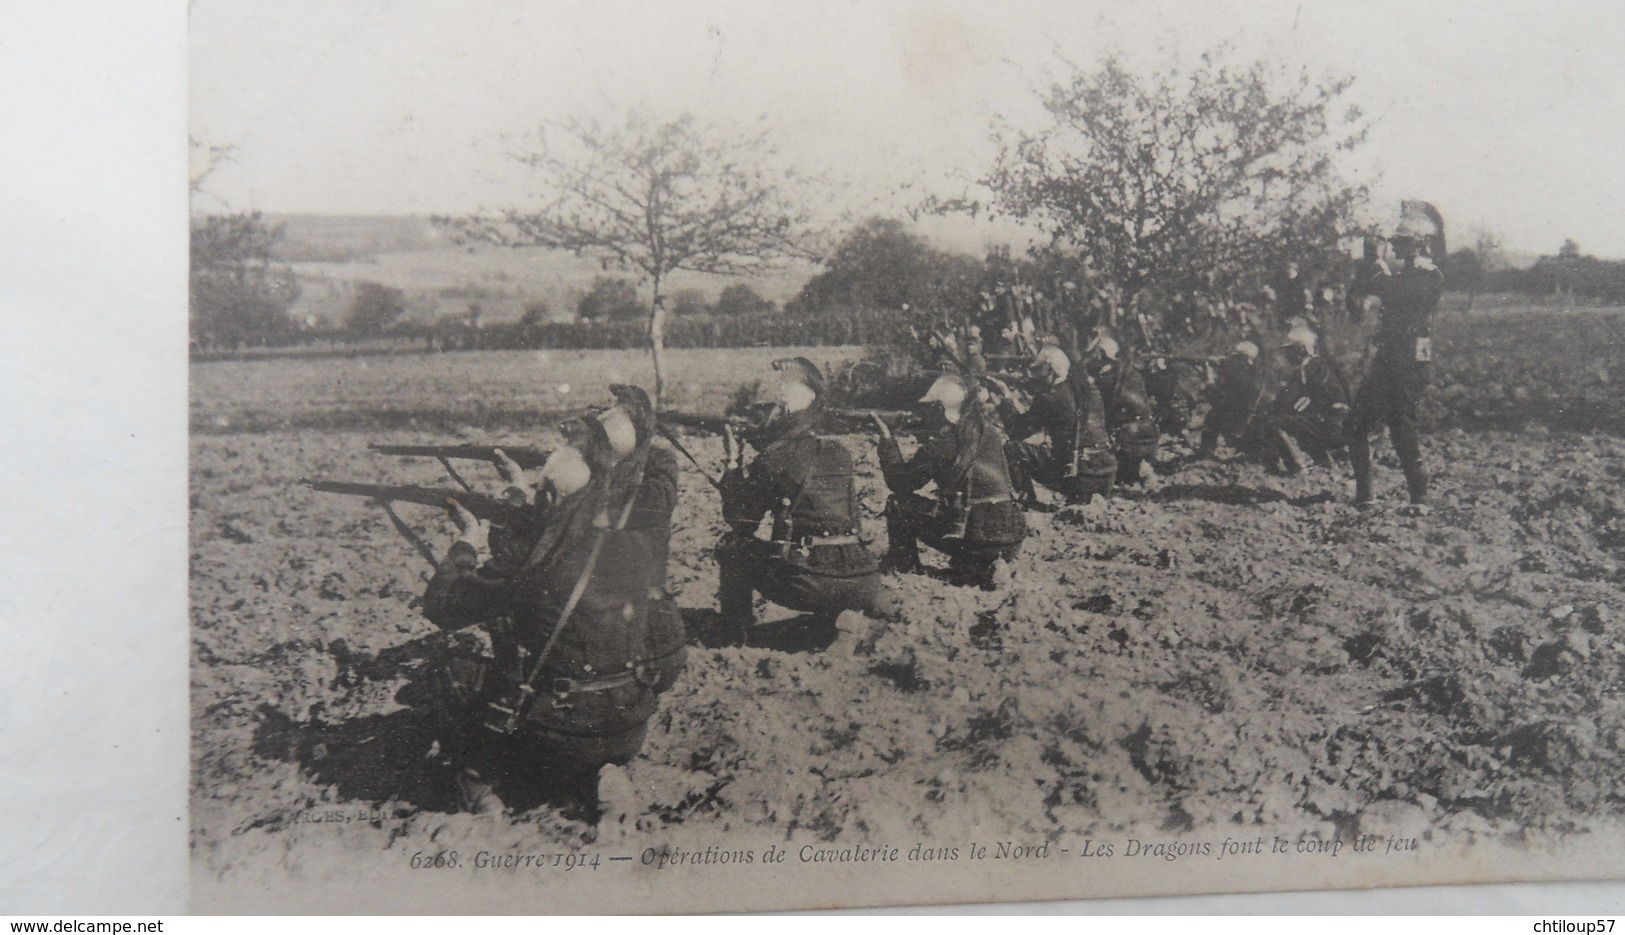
(678, 457)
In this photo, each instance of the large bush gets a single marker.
(375, 308)
(237, 296)
(611, 298)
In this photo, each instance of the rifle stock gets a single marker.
(483, 506)
(527, 458)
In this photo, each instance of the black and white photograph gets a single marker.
(722, 456)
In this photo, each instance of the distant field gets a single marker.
(449, 392)
(441, 278)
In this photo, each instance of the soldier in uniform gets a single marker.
(1403, 353)
(1075, 457)
(570, 681)
(816, 560)
(1311, 401)
(630, 428)
(973, 517)
(1129, 415)
(1233, 399)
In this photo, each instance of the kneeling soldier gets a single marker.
(974, 517)
(1129, 415)
(569, 685)
(1233, 400)
(816, 561)
(1075, 457)
(1310, 405)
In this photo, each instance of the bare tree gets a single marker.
(1182, 181)
(656, 197)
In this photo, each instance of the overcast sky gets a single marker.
(1508, 116)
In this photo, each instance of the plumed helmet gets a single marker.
(620, 430)
(1301, 335)
(587, 452)
(588, 437)
(1421, 222)
(1106, 345)
(1056, 359)
(949, 389)
(803, 371)
(639, 410)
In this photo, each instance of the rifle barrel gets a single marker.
(525, 457)
(895, 418)
(481, 505)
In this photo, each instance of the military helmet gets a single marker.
(949, 388)
(803, 371)
(1422, 224)
(1055, 359)
(1300, 335)
(1106, 345)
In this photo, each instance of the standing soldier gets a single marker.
(568, 686)
(1310, 404)
(1403, 356)
(1129, 416)
(816, 561)
(1233, 399)
(974, 517)
(1066, 408)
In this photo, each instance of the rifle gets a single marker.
(498, 511)
(900, 420)
(1184, 358)
(526, 458)
(701, 421)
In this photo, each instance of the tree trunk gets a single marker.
(657, 343)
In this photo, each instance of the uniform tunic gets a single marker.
(1400, 370)
(805, 480)
(1310, 405)
(1061, 412)
(1128, 415)
(1234, 399)
(597, 688)
(993, 523)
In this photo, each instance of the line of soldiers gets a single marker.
(584, 637)
(1313, 408)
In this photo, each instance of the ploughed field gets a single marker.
(1224, 653)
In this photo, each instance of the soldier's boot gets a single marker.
(1209, 445)
(902, 541)
(1360, 461)
(736, 606)
(1021, 482)
(617, 802)
(1409, 450)
(476, 796)
(1282, 458)
(736, 593)
(853, 634)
